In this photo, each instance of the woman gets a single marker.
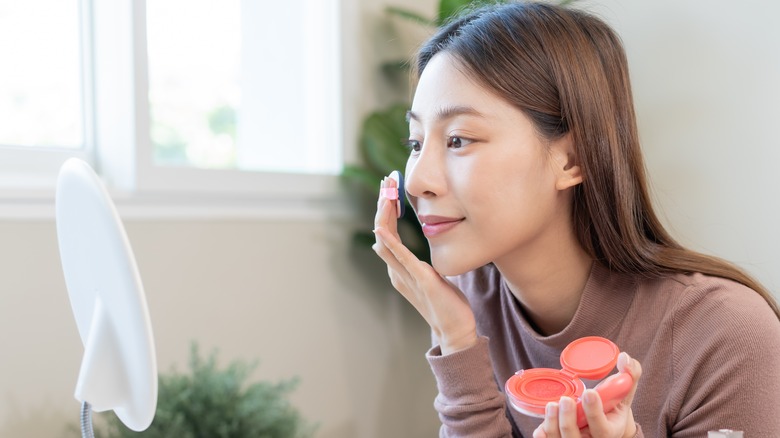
(526, 173)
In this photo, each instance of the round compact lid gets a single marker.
(529, 391)
(592, 357)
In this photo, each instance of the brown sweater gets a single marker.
(709, 349)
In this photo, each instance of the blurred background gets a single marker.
(264, 266)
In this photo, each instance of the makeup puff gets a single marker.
(397, 194)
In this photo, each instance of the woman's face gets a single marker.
(484, 185)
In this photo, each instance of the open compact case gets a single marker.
(591, 358)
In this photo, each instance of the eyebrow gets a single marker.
(447, 113)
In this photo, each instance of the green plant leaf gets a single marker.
(449, 9)
(409, 15)
(382, 136)
(367, 179)
(363, 238)
(394, 68)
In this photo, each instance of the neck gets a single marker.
(549, 280)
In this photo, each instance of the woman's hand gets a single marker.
(560, 419)
(439, 302)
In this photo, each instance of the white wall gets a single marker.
(294, 295)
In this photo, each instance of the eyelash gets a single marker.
(412, 145)
(415, 145)
(451, 140)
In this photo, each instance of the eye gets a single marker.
(413, 145)
(455, 142)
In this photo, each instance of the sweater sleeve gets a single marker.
(726, 364)
(469, 403)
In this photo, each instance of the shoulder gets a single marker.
(696, 295)
(705, 319)
(721, 302)
(720, 320)
(724, 342)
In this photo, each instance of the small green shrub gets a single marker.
(213, 403)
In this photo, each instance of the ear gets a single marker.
(565, 163)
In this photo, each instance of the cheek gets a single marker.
(509, 196)
(486, 184)
(471, 177)
(407, 170)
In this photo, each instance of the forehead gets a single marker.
(444, 85)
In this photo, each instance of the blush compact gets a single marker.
(591, 358)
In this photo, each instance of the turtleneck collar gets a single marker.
(604, 302)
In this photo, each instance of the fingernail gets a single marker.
(565, 404)
(589, 396)
(626, 359)
(551, 409)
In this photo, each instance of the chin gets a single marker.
(449, 263)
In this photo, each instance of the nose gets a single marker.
(426, 173)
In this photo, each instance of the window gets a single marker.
(233, 99)
(41, 97)
(44, 100)
(207, 107)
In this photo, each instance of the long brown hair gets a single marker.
(567, 71)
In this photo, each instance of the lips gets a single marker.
(436, 225)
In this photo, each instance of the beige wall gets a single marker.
(705, 78)
(295, 296)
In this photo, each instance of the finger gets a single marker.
(395, 269)
(539, 432)
(380, 204)
(401, 252)
(384, 219)
(567, 418)
(400, 277)
(387, 211)
(550, 424)
(634, 368)
(598, 424)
